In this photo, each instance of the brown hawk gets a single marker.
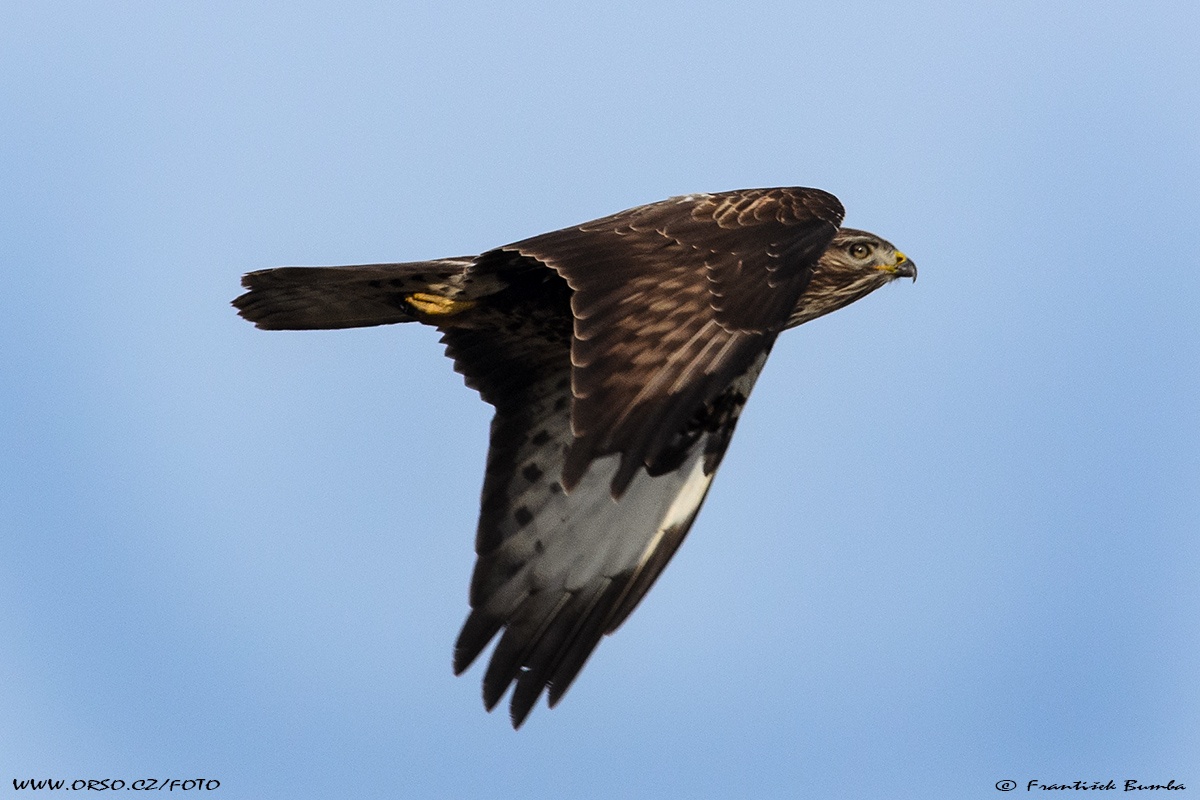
(618, 354)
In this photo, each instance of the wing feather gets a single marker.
(648, 282)
(556, 570)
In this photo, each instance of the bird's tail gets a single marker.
(307, 298)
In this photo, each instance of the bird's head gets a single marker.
(855, 264)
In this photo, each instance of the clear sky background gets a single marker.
(954, 541)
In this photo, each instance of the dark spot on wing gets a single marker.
(523, 516)
(532, 472)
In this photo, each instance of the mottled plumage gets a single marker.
(618, 354)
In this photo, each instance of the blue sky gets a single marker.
(954, 541)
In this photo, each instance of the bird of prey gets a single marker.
(618, 355)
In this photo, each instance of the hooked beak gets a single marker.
(903, 268)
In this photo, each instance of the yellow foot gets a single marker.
(438, 306)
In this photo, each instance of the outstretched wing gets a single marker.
(557, 571)
(611, 419)
(672, 301)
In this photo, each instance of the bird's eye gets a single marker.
(860, 250)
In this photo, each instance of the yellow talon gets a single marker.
(438, 306)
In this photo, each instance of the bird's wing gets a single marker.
(557, 571)
(674, 309)
(672, 301)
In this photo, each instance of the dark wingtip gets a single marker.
(517, 714)
(477, 631)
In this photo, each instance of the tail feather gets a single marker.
(309, 298)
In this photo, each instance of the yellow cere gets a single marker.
(900, 259)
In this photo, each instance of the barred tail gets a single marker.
(307, 298)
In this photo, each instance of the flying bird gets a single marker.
(618, 355)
